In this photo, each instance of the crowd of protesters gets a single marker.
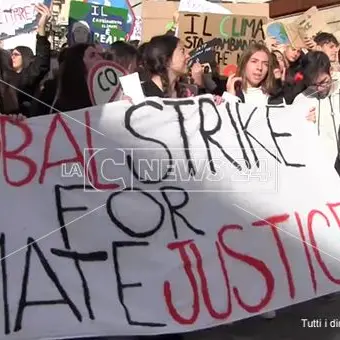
(267, 74)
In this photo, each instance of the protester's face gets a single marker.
(292, 54)
(323, 84)
(81, 35)
(280, 60)
(331, 50)
(179, 60)
(16, 60)
(257, 68)
(91, 56)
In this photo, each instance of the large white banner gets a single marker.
(169, 216)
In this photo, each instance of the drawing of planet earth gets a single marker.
(278, 31)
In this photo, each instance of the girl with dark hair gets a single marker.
(72, 93)
(254, 81)
(165, 61)
(29, 70)
(69, 90)
(124, 54)
(314, 87)
(8, 98)
(314, 76)
(22, 56)
(143, 74)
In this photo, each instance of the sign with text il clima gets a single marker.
(234, 32)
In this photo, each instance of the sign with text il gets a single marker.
(235, 34)
(95, 23)
(131, 19)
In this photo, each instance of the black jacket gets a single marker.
(28, 80)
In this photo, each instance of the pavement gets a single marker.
(286, 326)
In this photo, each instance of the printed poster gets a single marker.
(96, 23)
(131, 19)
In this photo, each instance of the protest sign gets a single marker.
(137, 30)
(168, 216)
(204, 53)
(103, 82)
(132, 87)
(131, 19)
(235, 33)
(95, 23)
(278, 31)
(18, 17)
(201, 6)
(306, 26)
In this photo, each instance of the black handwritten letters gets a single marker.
(194, 123)
(241, 126)
(235, 33)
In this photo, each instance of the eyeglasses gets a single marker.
(324, 83)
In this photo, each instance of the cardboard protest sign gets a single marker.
(306, 26)
(103, 82)
(164, 217)
(131, 18)
(95, 23)
(278, 31)
(235, 33)
(19, 16)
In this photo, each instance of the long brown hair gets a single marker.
(72, 93)
(268, 83)
(8, 96)
(157, 56)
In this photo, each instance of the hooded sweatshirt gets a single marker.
(327, 114)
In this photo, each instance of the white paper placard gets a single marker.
(103, 82)
(201, 6)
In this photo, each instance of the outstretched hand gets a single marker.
(45, 15)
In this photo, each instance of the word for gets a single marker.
(190, 255)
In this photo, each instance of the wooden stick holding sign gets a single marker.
(103, 82)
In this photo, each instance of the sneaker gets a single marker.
(269, 315)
